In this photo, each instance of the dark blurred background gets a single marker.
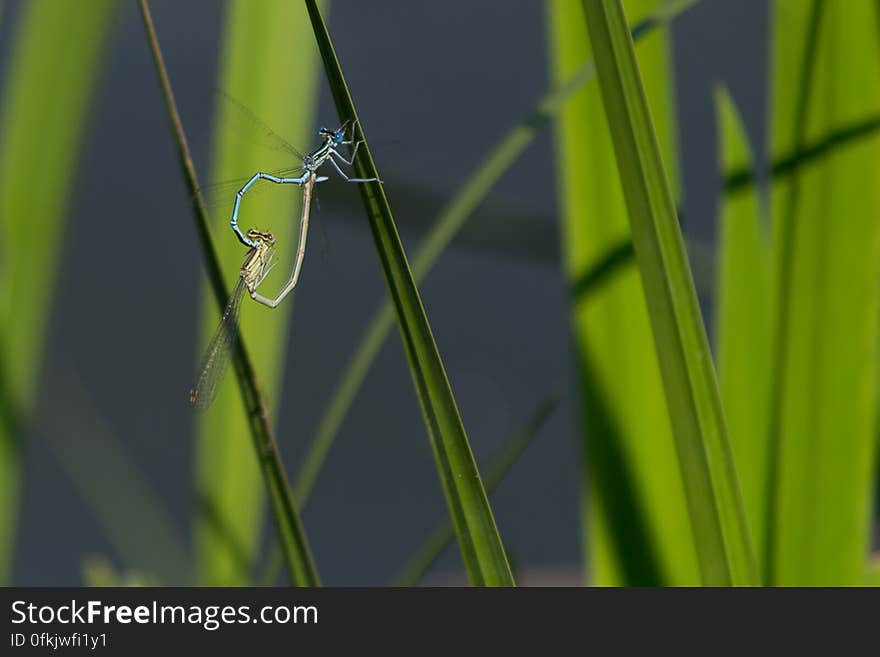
(124, 326)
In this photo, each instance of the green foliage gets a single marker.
(668, 498)
(826, 236)
(636, 519)
(52, 73)
(743, 322)
(704, 453)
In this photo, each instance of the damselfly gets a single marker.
(257, 263)
(310, 162)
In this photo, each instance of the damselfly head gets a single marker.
(336, 135)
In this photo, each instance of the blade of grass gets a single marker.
(743, 323)
(710, 481)
(444, 534)
(825, 247)
(444, 229)
(293, 540)
(634, 504)
(481, 548)
(52, 72)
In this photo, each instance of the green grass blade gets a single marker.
(743, 327)
(826, 235)
(443, 230)
(53, 71)
(705, 457)
(257, 45)
(481, 548)
(444, 534)
(636, 520)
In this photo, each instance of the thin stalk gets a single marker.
(295, 546)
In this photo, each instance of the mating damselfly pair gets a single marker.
(261, 257)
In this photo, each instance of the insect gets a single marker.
(308, 176)
(331, 140)
(258, 262)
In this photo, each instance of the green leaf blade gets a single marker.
(52, 68)
(704, 452)
(637, 525)
(826, 241)
(743, 322)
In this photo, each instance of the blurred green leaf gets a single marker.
(481, 548)
(265, 66)
(711, 488)
(636, 519)
(53, 70)
(743, 322)
(826, 235)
